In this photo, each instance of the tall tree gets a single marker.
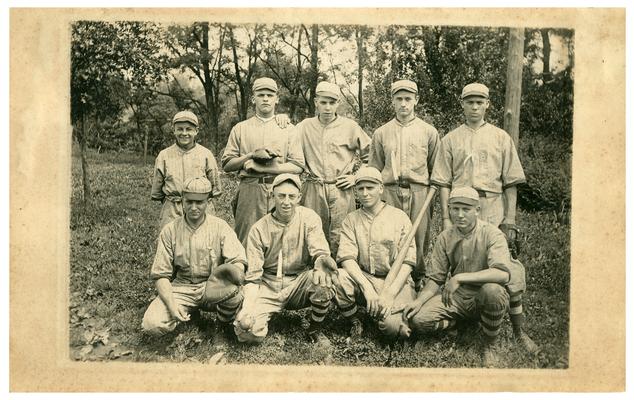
(513, 98)
(546, 51)
(244, 65)
(199, 48)
(102, 52)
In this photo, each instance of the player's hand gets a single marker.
(282, 120)
(372, 300)
(386, 302)
(328, 266)
(180, 314)
(411, 309)
(244, 321)
(446, 224)
(321, 278)
(345, 182)
(511, 231)
(249, 165)
(450, 289)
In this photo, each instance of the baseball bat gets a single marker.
(402, 253)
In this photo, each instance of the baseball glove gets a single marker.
(224, 283)
(264, 155)
(512, 233)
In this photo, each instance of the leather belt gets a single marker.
(266, 179)
(404, 183)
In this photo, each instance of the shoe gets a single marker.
(490, 357)
(322, 347)
(526, 342)
(221, 334)
(356, 328)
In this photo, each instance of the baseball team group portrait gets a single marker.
(313, 194)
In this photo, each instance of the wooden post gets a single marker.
(514, 83)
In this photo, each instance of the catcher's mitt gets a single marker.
(512, 233)
(224, 283)
(264, 155)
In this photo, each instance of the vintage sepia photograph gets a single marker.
(365, 127)
(379, 200)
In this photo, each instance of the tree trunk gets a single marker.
(83, 149)
(243, 101)
(361, 58)
(145, 140)
(208, 84)
(546, 51)
(514, 83)
(314, 65)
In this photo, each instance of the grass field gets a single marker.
(113, 244)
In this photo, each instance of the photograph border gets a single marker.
(40, 158)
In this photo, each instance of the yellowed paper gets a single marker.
(40, 207)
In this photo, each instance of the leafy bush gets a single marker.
(547, 165)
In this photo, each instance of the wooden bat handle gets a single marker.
(402, 252)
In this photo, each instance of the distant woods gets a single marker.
(129, 78)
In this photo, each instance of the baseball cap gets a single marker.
(404, 85)
(327, 89)
(281, 178)
(264, 83)
(199, 185)
(185, 116)
(475, 89)
(464, 195)
(368, 174)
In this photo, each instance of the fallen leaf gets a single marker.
(215, 359)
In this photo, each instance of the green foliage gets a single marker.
(112, 247)
(547, 106)
(441, 60)
(102, 52)
(547, 165)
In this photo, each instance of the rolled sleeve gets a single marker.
(315, 238)
(348, 249)
(512, 171)
(498, 255)
(232, 250)
(232, 150)
(439, 266)
(441, 172)
(158, 180)
(213, 175)
(163, 266)
(255, 256)
(295, 153)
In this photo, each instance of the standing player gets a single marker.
(482, 156)
(176, 164)
(404, 150)
(259, 149)
(330, 142)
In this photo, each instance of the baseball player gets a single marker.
(330, 142)
(404, 150)
(199, 264)
(282, 249)
(183, 160)
(370, 241)
(482, 156)
(259, 149)
(472, 267)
